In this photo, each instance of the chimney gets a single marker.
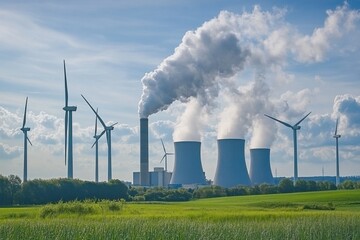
(144, 152)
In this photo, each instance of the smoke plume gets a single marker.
(245, 113)
(204, 57)
(208, 58)
(190, 123)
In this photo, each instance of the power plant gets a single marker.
(231, 167)
(144, 152)
(187, 167)
(260, 169)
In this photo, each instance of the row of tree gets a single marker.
(38, 191)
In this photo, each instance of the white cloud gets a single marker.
(338, 23)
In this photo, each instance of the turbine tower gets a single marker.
(107, 130)
(68, 129)
(295, 128)
(96, 151)
(165, 155)
(26, 139)
(337, 136)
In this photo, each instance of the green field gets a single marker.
(312, 215)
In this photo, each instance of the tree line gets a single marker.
(38, 191)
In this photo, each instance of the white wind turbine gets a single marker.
(26, 139)
(165, 155)
(96, 151)
(107, 130)
(337, 136)
(295, 128)
(68, 126)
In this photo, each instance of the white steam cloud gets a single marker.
(245, 112)
(190, 123)
(204, 57)
(208, 58)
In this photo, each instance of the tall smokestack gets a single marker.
(187, 168)
(231, 167)
(144, 152)
(260, 170)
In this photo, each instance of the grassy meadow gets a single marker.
(311, 215)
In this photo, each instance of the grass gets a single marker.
(315, 215)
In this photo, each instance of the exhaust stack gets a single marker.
(144, 152)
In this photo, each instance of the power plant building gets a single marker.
(260, 170)
(187, 166)
(231, 168)
(158, 178)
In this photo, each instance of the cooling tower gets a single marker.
(231, 167)
(187, 167)
(260, 170)
(144, 152)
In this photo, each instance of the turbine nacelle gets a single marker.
(109, 128)
(337, 136)
(25, 129)
(69, 108)
(296, 127)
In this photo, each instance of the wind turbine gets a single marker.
(107, 130)
(337, 136)
(26, 139)
(96, 151)
(295, 128)
(165, 155)
(68, 125)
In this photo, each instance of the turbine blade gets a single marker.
(163, 145)
(24, 120)
(97, 139)
(66, 88)
(162, 158)
(101, 121)
(96, 123)
(337, 121)
(114, 124)
(29, 140)
(302, 119)
(66, 134)
(286, 124)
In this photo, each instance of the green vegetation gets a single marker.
(311, 215)
(38, 191)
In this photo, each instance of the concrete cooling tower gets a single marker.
(187, 167)
(260, 170)
(231, 167)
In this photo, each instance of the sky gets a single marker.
(199, 70)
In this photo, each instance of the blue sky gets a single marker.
(305, 65)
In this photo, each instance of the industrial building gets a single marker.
(231, 168)
(260, 170)
(158, 178)
(187, 167)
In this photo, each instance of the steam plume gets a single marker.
(205, 56)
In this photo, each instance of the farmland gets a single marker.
(312, 215)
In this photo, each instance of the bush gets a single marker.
(286, 185)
